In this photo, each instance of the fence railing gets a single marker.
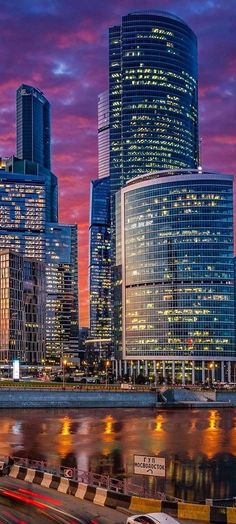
(126, 485)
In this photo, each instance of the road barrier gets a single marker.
(104, 497)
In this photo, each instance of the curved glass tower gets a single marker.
(175, 248)
(153, 95)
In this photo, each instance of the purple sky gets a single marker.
(61, 47)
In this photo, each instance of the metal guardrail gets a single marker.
(125, 485)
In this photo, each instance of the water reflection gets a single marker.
(199, 445)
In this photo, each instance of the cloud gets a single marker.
(61, 47)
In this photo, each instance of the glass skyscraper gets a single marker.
(175, 254)
(22, 308)
(103, 135)
(23, 214)
(28, 227)
(26, 167)
(100, 266)
(62, 330)
(33, 140)
(153, 96)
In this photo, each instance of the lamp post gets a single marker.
(210, 377)
(107, 365)
(64, 362)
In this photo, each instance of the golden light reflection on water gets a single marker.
(212, 435)
(64, 438)
(159, 424)
(108, 435)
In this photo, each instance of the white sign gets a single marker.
(16, 369)
(146, 465)
(68, 473)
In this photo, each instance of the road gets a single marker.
(32, 504)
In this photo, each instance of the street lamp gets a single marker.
(210, 368)
(107, 365)
(64, 362)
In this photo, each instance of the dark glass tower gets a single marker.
(33, 126)
(100, 265)
(153, 95)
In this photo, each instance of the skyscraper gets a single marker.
(23, 213)
(62, 330)
(22, 308)
(103, 135)
(29, 228)
(153, 96)
(175, 251)
(100, 266)
(153, 108)
(33, 141)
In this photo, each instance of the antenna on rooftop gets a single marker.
(200, 156)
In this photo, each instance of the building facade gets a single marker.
(26, 167)
(153, 96)
(103, 135)
(23, 214)
(100, 267)
(33, 135)
(62, 329)
(175, 256)
(22, 308)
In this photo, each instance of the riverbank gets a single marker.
(12, 398)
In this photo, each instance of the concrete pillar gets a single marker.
(131, 368)
(213, 373)
(203, 372)
(146, 368)
(155, 372)
(120, 368)
(138, 367)
(183, 373)
(125, 367)
(193, 372)
(164, 369)
(116, 369)
(113, 366)
(222, 375)
(173, 372)
(229, 371)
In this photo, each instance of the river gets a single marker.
(199, 445)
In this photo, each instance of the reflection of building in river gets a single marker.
(196, 479)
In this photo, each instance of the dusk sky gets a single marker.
(61, 47)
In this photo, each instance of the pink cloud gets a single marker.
(62, 48)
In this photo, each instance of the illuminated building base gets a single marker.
(179, 371)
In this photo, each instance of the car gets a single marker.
(152, 518)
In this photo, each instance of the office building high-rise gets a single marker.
(29, 228)
(33, 139)
(22, 308)
(100, 266)
(175, 251)
(23, 214)
(153, 108)
(153, 96)
(26, 167)
(103, 135)
(62, 330)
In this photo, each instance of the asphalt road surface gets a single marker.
(25, 503)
